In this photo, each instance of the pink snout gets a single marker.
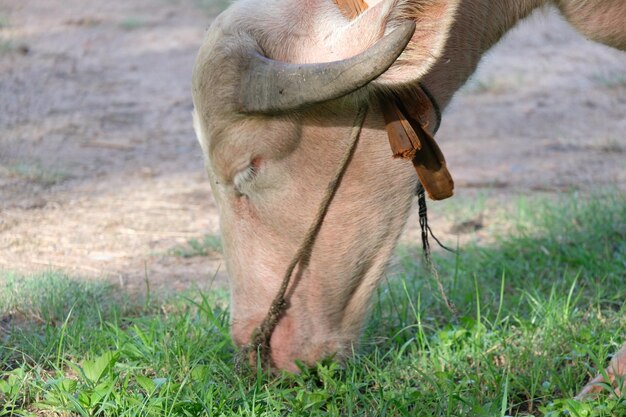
(289, 343)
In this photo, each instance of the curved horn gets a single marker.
(269, 86)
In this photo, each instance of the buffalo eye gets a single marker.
(245, 177)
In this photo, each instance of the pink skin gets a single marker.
(269, 172)
(325, 315)
(617, 367)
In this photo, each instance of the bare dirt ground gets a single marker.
(100, 173)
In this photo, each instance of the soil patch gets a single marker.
(101, 175)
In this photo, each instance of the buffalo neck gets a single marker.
(479, 25)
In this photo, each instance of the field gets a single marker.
(540, 311)
(113, 298)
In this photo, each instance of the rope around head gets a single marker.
(262, 335)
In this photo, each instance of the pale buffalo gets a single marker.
(277, 86)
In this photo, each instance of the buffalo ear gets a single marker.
(434, 19)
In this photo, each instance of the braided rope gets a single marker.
(262, 335)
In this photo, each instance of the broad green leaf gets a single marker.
(94, 370)
(145, 383)
(5, 388)
(67, 385)
(101, 391)
(200, 373)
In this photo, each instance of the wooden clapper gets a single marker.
(406, 121)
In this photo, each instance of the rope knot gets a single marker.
(280, 306)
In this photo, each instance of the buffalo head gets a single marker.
(276, 87)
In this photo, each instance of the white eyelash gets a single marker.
(244, 177)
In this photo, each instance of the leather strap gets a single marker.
(408, 119)
(351, 8)
(411, 119)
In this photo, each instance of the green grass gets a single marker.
(208, 245)
(6, 46)
(213, 7)
(611, 79)
(4, 22)
(541, 311)
(36, 173)
(132, 23)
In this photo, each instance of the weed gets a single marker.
(610, 79)
(36, 173)
(213, 6)
(610, 144)
(6, 46)
(4, 22)
(132, 23)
